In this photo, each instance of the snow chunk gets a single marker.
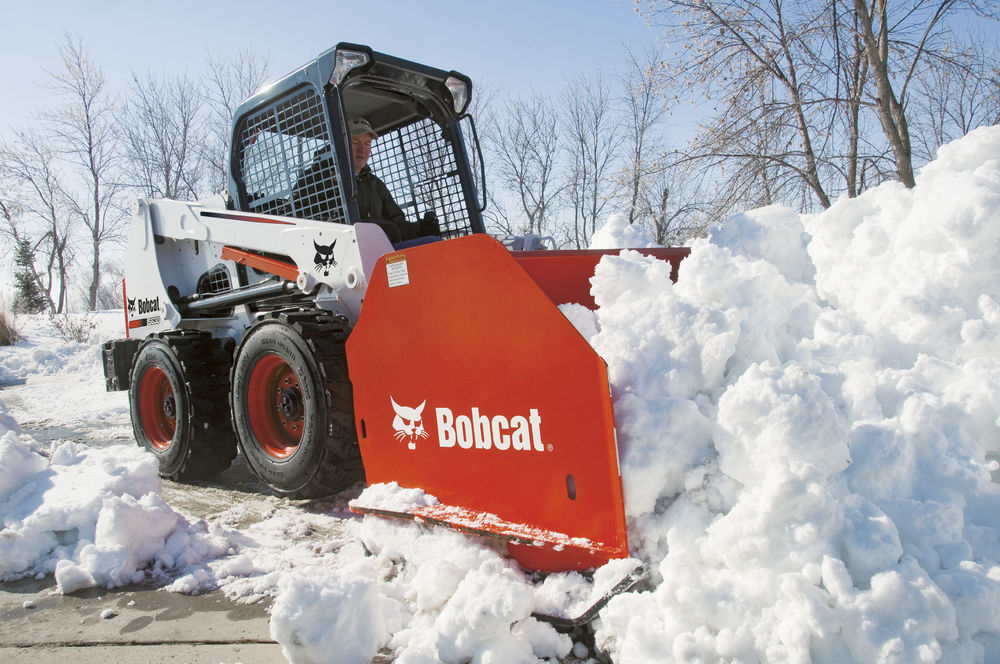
(17, 461)
(332, 617)
(617, 233)
(774, 234)
(91, 516)
(392, 497)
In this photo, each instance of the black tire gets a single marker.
(177, 399)
(292, 404)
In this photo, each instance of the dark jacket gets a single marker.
(375, 201)
(376, 205)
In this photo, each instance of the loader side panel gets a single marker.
(471, 385)
(565, 275)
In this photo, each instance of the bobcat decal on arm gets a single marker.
(324, 259)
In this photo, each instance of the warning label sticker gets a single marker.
(396, 270)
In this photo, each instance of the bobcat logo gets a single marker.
(408, 423)
(131, 305)
(324, 257)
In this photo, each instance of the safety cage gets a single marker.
(284, 164)
(283, 160)
(418, 166)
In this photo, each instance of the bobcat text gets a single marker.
(484, 432)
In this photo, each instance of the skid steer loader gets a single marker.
(273, 320)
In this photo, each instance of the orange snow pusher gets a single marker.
(470, 384)
(328, 347)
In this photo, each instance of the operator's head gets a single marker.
(362, 136)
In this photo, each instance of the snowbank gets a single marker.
(805, 418)
(92, 517)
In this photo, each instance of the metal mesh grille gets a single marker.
(214, 281)
(286, 161)
(418, 166)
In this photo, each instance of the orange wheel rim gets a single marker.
(157, 408)
(276, 408)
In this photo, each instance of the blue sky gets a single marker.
(517, 44)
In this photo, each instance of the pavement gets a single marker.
(130, 624)
(138, 623)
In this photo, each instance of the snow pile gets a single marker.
(804, 421)
(395, 498)
(438, 595)
(91, 517)
(44, 360)
(49, 354)
(803, 446)
(351, 607)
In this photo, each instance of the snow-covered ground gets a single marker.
(808, 423)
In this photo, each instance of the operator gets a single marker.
(375, 202)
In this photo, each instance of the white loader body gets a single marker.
(177, 251)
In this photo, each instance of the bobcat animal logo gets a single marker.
(324, 258)
(131, 304)
(408, 423)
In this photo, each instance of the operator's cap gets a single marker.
(360, 126)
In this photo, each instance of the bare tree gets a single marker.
(592, 141)
(754, 59)
(871, 20)
(29, 165)
(820, 93)
(903, 42)
(645, 110)
(679, 203)
(232, 81)
(111, 296)
(84, 129)
(844, 55)
(673, 196)
(954, 100)
(163, 139)
(525, 145)
(483, 109)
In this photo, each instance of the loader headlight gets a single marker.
(459, 92)
(345, 61)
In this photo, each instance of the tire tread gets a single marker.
(204, 365)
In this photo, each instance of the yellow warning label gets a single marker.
(396, 270)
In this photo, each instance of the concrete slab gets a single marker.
(205, 653)
(132, 623)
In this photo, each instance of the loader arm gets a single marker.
(173, 245)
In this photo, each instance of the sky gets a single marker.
(521, 45)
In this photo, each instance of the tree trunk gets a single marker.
(890, 109)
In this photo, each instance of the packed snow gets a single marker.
(809, 433)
